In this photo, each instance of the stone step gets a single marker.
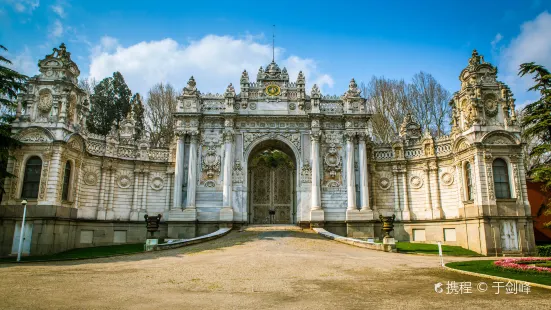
(272, 227)
(512, 254)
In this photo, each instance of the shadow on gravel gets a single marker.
(234, 238)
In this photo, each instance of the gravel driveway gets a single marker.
(260, 268)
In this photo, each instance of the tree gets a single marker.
(429, 103)
(388, 100)
(110, 102)
(161, 103)
(88, 84)
(139, 110)
(11, 83)
(536, 124)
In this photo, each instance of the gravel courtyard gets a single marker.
(260, 268)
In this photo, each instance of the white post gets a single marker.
(22, 233)
(350, 173)
(440, 253)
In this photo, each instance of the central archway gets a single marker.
(271, 166)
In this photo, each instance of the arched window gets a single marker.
(469, 181)
(31, 179)
(66, 180)
(501, 179)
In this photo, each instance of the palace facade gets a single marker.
(83, 189)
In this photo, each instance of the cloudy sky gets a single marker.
(168, 41)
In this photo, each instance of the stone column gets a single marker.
(168, 187)
(364, 175)
(226, 214)
(406, 211)
(316, 193)
(100, 215)
(110, 214)
(428, 198)
(437, 212)
(350, 173)
(134, 210)
(143, 207)
(192, 171)
(55, 175)
(397, 207)
(178, 172)
(227, 185)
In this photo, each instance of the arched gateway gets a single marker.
(271, 183)
(271, 152)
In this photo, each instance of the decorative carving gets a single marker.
(45, 100)
(157, 181)
(332, 161)
(90, 176)
(250, 137)
(491, 107)
(384, 183)
(237, 174)
(306, 173)
(416, 181)
(211, 162)
(124, 180)
(33, 135)
(447, 178)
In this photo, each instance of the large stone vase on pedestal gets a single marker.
(388, 226)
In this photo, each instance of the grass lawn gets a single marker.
(425, 248)
(93, 252)
(487, 267)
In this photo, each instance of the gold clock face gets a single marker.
(273, 90)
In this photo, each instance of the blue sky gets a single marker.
(332, 42)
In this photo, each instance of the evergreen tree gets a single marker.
(110, 102)
(11, 83)
(139, 110)
(536, 124)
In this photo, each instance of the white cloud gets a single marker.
(496, 40)
(56, 29)
(532, 44)
(24, 6)
(214, 61)
(24, 62)
(59, 10)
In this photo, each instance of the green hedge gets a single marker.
(544, 250)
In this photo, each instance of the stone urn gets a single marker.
(152, 223)
(388, 224)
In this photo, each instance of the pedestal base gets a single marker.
(359, 215)
(389, 244)
(186, 215)
(437, 213)
(100, 216)
(226, 215)
(317, 216)
(109, 215)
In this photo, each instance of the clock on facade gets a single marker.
(273, 90)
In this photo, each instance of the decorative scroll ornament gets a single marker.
(211, 162)
(332, 161)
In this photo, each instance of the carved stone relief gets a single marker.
(157, 181)
(91, 175)
(124, 179)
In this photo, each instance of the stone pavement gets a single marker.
(258, 268)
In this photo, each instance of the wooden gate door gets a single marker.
(272, 194)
